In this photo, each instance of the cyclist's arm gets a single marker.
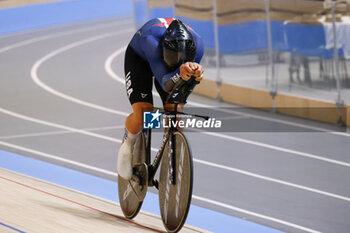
(153, 53)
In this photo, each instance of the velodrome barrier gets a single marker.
(242, 28)
(236, 19)
(284, 103)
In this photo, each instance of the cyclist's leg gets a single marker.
(163, 95)
(138, 80)
(134, 121)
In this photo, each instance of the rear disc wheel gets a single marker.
(131, 193)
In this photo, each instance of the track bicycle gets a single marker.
(176, 168)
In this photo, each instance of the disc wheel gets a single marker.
(131, 193)
(175, 199)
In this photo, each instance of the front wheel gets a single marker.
(175, 197)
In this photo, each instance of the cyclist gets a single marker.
(164, 48)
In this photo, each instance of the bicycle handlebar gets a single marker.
(182, 87)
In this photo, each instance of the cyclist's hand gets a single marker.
(189, 69)
(198, 71)
(186, 71)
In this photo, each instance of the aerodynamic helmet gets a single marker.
(178, 45)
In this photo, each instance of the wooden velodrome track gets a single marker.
(32, 205)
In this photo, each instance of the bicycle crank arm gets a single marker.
(155, 183)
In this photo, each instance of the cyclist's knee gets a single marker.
(138, 108)
(170, 107)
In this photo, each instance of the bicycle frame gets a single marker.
(152, 168)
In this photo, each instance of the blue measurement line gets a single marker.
(12, 228)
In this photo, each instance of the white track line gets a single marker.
(42, 122)
(58, 132)
(254, 214)
(57, 158)
(272, 147)
(314, 128)
(37, 64)
(84, 132)
(272, 180)
(103, 171)
(112, 74)
(55, 35)
(98, 23)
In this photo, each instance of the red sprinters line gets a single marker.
(89, 207)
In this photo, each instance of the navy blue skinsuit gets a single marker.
(147, 44)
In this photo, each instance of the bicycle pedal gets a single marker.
(136, 179)
(140, 174)
(139, 180)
